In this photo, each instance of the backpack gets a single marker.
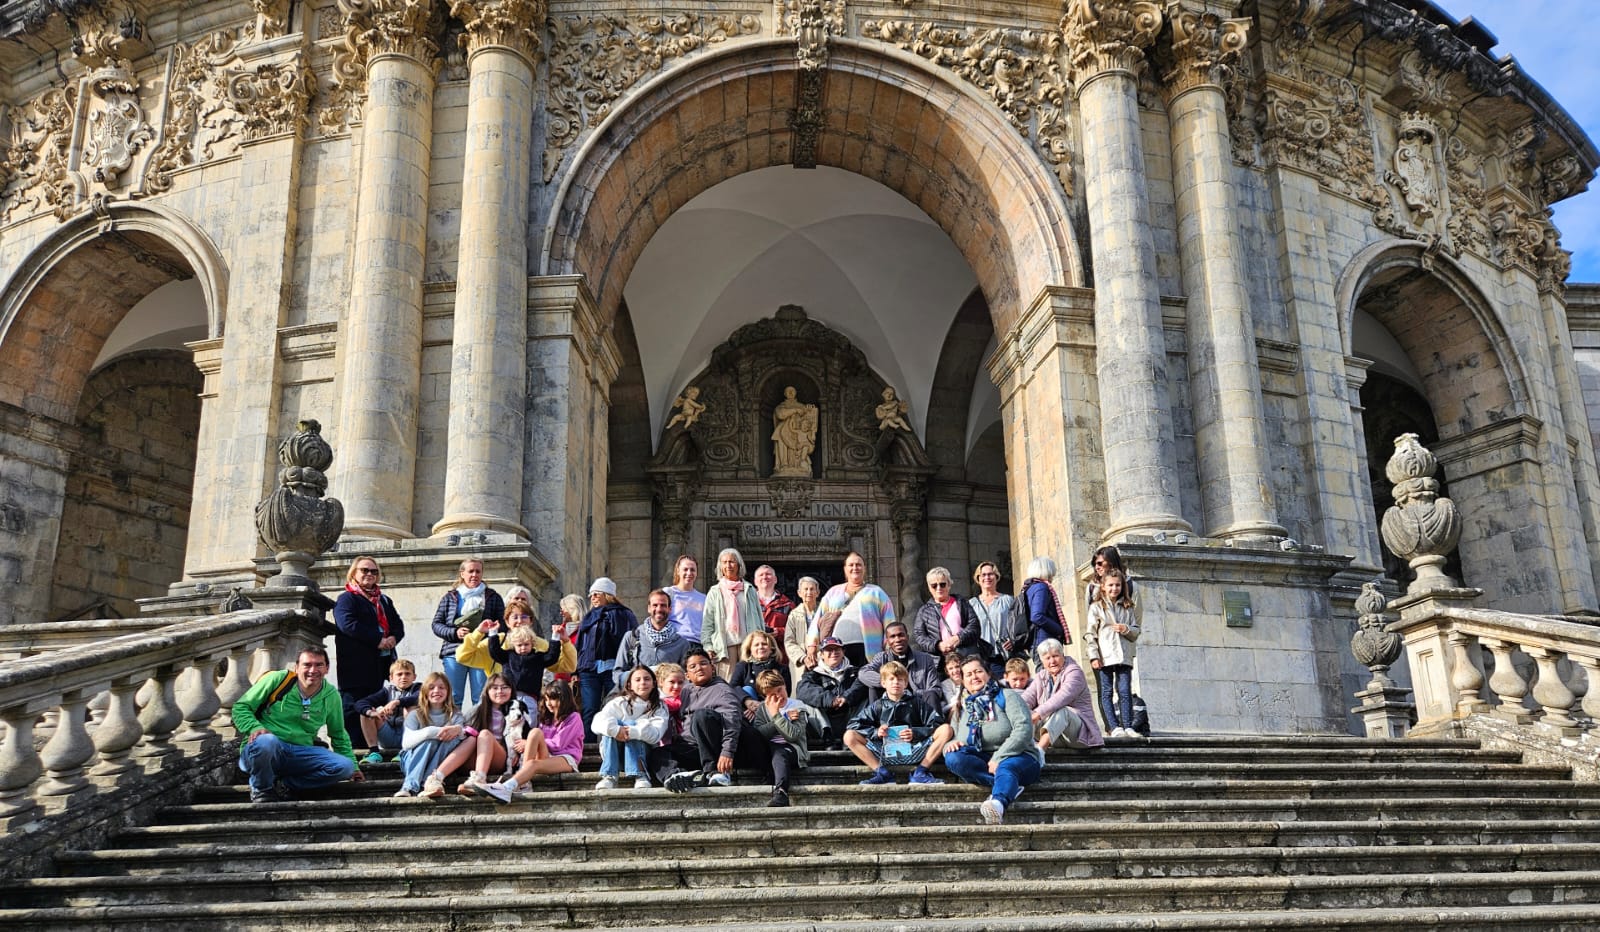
(1141, 716)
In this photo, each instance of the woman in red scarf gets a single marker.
(369, 628)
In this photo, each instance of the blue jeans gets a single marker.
(1117, 677)
(423, 759)
(269, 759)
(592, 689)
(1008, 779)
(460, 676)
(632, 754)
(391, 732)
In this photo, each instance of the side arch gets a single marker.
(74, 287)
(887, 115)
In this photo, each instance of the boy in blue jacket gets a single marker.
(897, 728)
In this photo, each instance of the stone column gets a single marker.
(1225, 382)
(382, 333)
(1106, 41)
(572, 360)
(488, 364)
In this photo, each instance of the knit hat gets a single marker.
(604, 584)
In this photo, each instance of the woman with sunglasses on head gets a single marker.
(1106, 558)
(369, 628)
(946, 623)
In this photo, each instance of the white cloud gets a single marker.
(1555, 43)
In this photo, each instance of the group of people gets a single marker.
(739, 677)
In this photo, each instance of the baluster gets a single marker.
(119, 731)
(1507, 683)
(69, 749)
(235, 683)
(160, 718)
(198, 700)
(1465, 676)
(20, 765)
(1591, 695)
(1550, 692)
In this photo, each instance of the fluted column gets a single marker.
(1106, 41)
(382, 334)
(1224, 378)
(488, 367)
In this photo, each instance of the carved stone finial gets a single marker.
(1421, 527)
(1374, 646)
(1204, 46)
(511, 24)
(295, 520)
(1109, 35)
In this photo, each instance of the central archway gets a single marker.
(885, 115)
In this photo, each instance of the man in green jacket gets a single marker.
(279, 720)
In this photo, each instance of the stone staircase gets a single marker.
(1168, 833)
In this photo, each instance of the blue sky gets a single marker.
(1557, 43)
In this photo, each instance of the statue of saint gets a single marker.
(794, 436)
(689, 408)
(891, 412)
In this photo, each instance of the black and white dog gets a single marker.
(518, 722)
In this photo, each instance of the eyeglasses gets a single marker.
(988, 575)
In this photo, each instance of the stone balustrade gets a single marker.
(1537, 671)
(185, 711)
(18, 641)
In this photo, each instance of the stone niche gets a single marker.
(721, 482)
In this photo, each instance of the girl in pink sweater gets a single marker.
(555, 746)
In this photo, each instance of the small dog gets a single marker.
(517, 725)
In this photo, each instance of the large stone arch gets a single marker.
(886, 115)
(72, 290)
(1470, 370)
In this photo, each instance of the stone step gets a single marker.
(741, 808)
(436, 877)
(819, 902)
(533, 847)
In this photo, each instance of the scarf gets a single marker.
(978, 709)
(658, 638)
(469, 599)
(1061, 616)
(731, 590)
(376, 598)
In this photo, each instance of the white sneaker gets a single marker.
(1118, 733)
(719, 779)
(1130, 733)
(993, 811)
(501, 791)
(474, 782)
(607, 782)
(642, 783)
(403, 793)
(433, 787)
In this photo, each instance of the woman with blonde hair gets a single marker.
(466, 605)
(369, 628)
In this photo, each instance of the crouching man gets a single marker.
(279, 717)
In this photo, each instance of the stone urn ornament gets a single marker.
(1421, 527)
(295, 520)
(1374, 646)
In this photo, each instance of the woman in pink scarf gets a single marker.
(732, 612)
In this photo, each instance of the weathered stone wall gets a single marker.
(126, 514)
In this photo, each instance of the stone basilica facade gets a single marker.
(1172, 275)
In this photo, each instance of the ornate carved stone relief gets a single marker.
(595, 59)
(514, 24)
(365, 28)
(1415, 171)
(1020, 70)
(272, 18)
(1204, 48)
(34, 173)
(1241, 94)
(812, 23)
(1468, 224)
(220, 96)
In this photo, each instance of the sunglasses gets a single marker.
(938, 585)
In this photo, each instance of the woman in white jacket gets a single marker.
(628, 726)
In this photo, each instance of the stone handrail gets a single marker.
(82, 758)
(1445, 646)
(18, 641)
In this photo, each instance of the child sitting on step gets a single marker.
(627, 727)
(899, 728)
(555, 746)
(486, 729)
(434, 731)
(1018, 673)
(383, 714)
(758, 653)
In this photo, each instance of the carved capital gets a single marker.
(1204, 47)
(1109, 35)
(271, 98)
(511, 24)
(395, 27)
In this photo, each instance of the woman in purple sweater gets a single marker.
(1063, 711)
